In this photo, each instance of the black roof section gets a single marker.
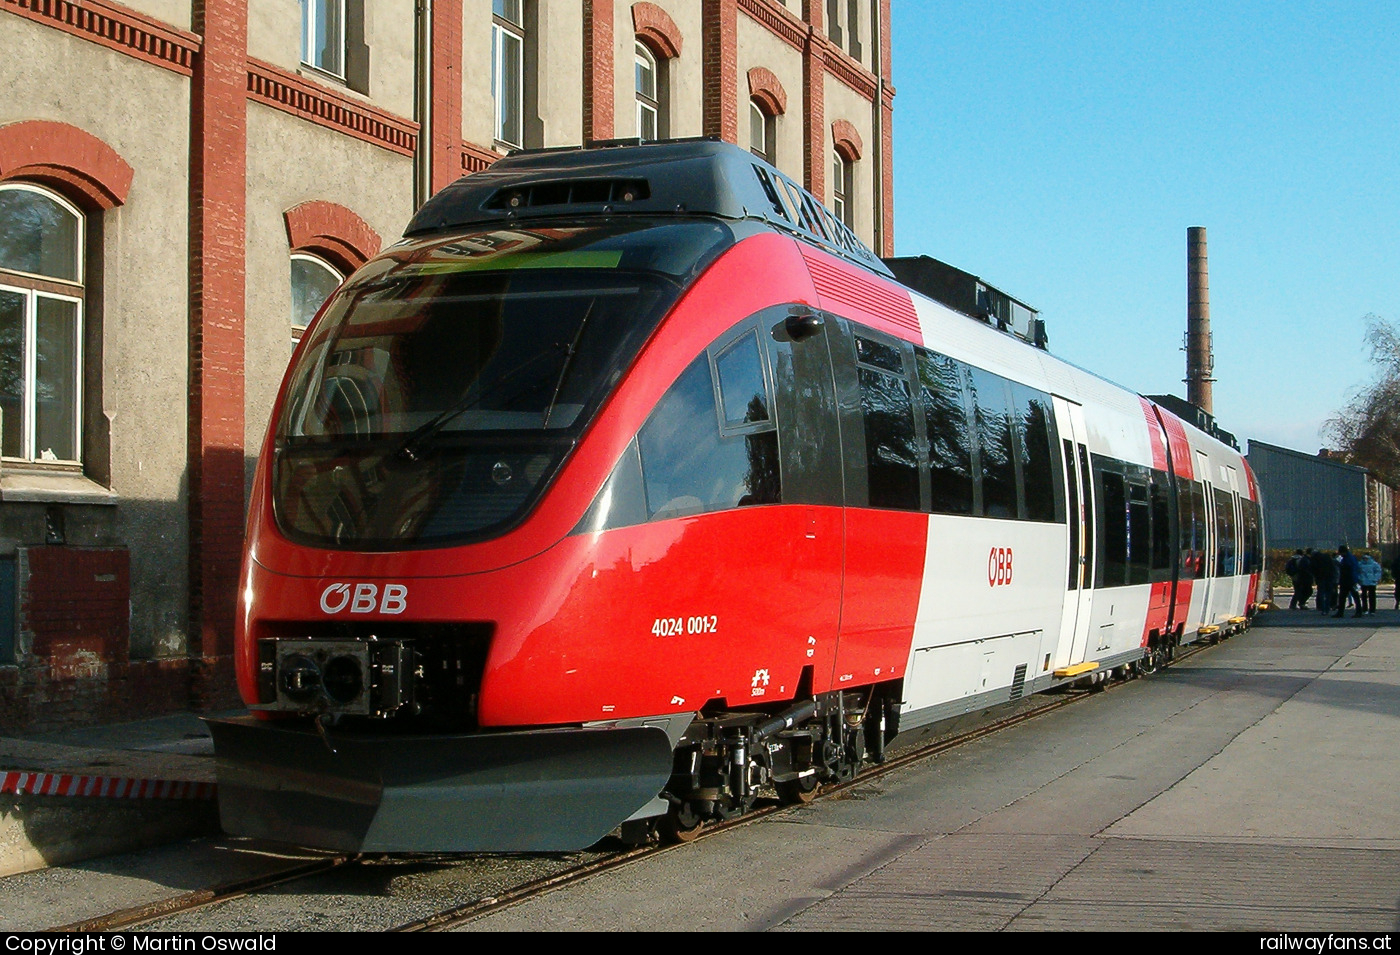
(628, 177)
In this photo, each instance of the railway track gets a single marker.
(148, 914)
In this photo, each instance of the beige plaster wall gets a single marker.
(758, 47)
(274, 35)
(274, 32)
(844, 103)
(478, 110)
(176, 13)
(290, 162)
(561, 79)
(141, 111)
(686, 75)
(390, 27)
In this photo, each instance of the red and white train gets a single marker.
(629, 485)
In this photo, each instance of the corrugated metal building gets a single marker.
(1312, 501)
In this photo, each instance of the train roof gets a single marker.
(627, 177)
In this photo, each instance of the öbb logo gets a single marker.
(364, 598)
(999, 566)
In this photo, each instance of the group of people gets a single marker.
(1339, 578)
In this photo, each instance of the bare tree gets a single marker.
(1367, 431)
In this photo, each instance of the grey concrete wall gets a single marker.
(141, 111)
(290, 162)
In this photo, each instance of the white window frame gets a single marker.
(299, 330)
(312, 12)
(648, 106)
(508, 24)
(765, 121)
(31, 296)
(843, 178)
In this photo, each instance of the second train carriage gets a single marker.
(630, 484)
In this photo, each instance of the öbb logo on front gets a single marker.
(364, 598)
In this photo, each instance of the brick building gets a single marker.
(182, 182)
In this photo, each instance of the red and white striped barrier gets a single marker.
(103, 787)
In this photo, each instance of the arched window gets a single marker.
(842, 187)
(41, 325)
(763, 132)
(313, 281)
(508, 70)
(652, 120)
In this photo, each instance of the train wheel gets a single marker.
(682, 824)
(802, 790)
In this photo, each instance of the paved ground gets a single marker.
(1252, 787)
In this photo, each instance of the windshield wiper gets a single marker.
(568, 360)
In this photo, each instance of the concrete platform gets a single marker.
(66, 797)
(1250, 788)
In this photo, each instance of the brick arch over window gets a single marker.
(764, 87)
(655, 27)
(847, 141)
(65, 157)
(331, 231)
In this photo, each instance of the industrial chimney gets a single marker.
(1200, 361)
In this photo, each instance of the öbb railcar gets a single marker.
(629, 485)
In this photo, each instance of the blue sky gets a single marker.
(1060, 150)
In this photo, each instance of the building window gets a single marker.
(323, 35)
(763, 128)
(843, 25)
(313, 281)
(842, 187)
(508, 70)
(652, 121)
(41, 326)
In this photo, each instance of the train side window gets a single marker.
(805, 405)
(1225, 547)
(950, 435)
(1162, 526)
(1074, 515)
(1139, 534)
(1193, 539)
(689, 467)
(1250, 558)
(879, 355)
(997, 444)
(743, 388)
(1040, 474)
(1113, 498)
(891, 443)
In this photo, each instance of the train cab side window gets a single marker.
(690, 467)
(744, 392)
(891, 444)
(997, 445)
(951, 439)
(1250, 554)
(622, 500)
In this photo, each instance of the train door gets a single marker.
(1233, 584)
(1079, 588)
(1206, 583)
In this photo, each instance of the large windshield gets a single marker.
(449, 378)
